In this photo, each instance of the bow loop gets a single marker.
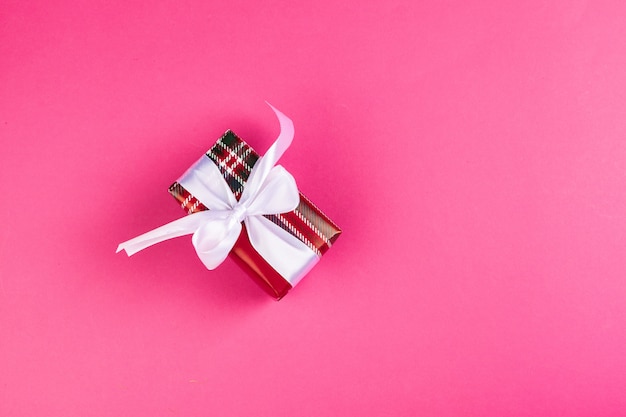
(214, 239)
(278, 194)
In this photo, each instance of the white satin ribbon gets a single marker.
(270, 189)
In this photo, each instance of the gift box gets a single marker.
(235, 159)
(244, 205)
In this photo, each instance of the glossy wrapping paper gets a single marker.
(235, 159)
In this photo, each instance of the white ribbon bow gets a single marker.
(270, 189)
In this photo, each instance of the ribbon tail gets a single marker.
(181, 227)
(264, 165)
(284, 139)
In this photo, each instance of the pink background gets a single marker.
(474, 153)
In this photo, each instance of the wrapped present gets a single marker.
(243, 205)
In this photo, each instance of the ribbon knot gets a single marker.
(239, 212)
(270, 189)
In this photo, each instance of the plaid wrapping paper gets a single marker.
(235, 159)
